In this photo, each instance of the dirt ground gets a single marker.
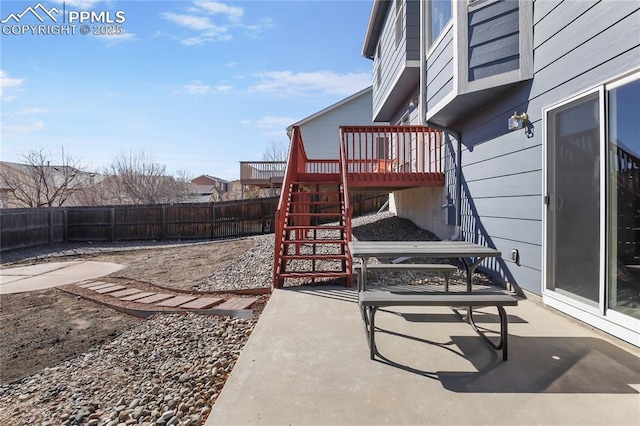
(42, 328)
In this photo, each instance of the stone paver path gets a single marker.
(150, 299)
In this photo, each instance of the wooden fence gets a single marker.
(24, 228)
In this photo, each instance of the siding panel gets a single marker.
(487, 13)
(576, 33)
(516, 207)
(494, 68)
(440, 94)
(562, 15)
(501, 48)
(439, 78)
(493, 40)
(524, 184)
(489, 30)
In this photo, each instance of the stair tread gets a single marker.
(319, 241)
(315, 214)
(317, 274)
(315, 256)
(324, 227)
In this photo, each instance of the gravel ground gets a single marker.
(169, 369)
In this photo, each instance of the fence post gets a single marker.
(213, 218)
(65, 225)
(50, 227)
(164, 222)
(113, 223)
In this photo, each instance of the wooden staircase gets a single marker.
(315, 235)
(313, 219)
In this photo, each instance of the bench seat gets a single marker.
(371, 301)
(445, 268)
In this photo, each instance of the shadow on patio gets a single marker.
(307, 363)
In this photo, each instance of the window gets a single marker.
(623, 134)
(440, 16)
(399, 21)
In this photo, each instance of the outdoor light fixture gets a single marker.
(517, 121)
(413, 103)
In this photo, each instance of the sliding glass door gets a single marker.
(592, 217)
(573, 135)
(623, 110)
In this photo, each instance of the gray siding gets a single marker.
(393, 58)
(578, 45)
(439, 70)
(320, 134)
(493, 39)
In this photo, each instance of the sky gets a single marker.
(198, 85)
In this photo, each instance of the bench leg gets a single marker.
(368, 317)
(372, 331)
(503, 331)
(446, 281)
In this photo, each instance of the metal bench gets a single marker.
(371, 301)
(445, 268)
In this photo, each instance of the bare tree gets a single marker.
(276, 151)
(135, 178)
(37, 183)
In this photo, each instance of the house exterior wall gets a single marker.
(577, 45)
(320, 134)
(395, 56)
(423, 206)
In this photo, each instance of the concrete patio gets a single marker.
(307, 363)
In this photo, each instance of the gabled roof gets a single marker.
(330, 108)
(211, 178)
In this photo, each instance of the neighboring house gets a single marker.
(209, 188)
(320, 130)
(321, 139)
(559, 196)
(43, 186)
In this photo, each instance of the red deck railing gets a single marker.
(296, 165)
(385, 153)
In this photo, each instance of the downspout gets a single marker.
(457, 234)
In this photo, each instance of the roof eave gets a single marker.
(378, 12)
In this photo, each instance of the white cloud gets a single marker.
(244, 122)
(24, 128)
(200, 20)
(196, 88)
(114, 39)
(288, 83)
(202, 24)
(196, 23)
(30, 111)
(256, 29)
(231, 64)
(223, 88)
(214, 7)
(270, 121)
(8, 83)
